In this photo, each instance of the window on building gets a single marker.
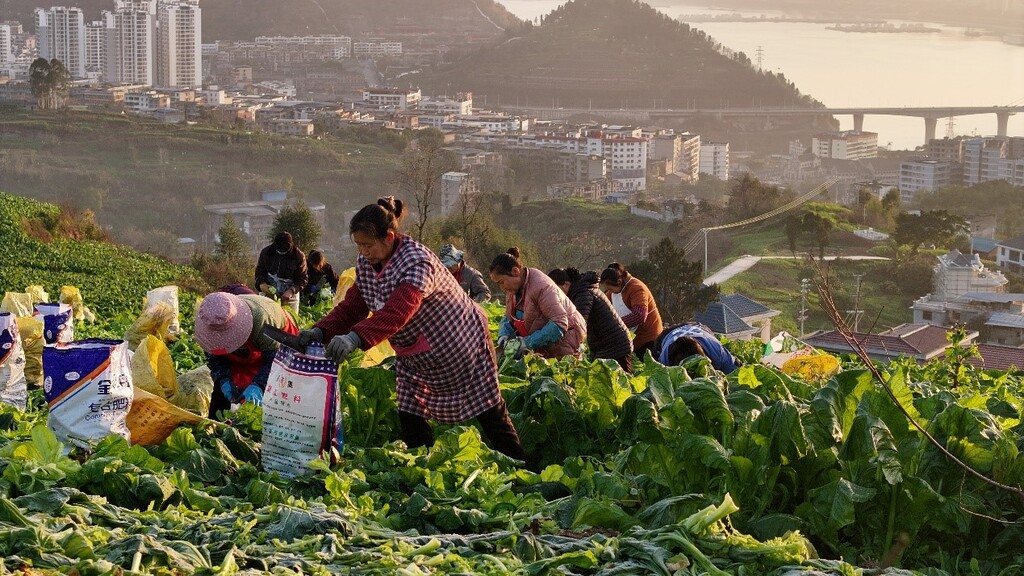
(926, 315)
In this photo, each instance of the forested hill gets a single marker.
(229, 20)
(612, 54)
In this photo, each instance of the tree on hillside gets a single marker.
(50, 82)
(297, 219)
(821, 228)
(232, 244)
(676, 283)
(933, 227)
(419, 177)
(749, 197)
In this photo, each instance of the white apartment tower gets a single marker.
(61, 35)
(714, 159)
(179, 48)
(5, 44)
(99, 40)
(134, 42)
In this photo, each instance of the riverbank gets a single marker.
(991, 22)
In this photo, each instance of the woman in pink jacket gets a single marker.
(537, 312)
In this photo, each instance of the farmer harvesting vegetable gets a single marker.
(635, 304)
(471, 280)
(680, 342)
(229, 328)
(281, 270)
(537, 312)
(607, 336)
(445, 363)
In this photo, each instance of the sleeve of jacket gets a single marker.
(551, 306)
(584, 302)
(505, 327)
(478, 289)
(546, 336)
(301, 273)
(400, 307)
(634, 298)
(219, 366)
(261, 269)
(332, 277)
(345, 315)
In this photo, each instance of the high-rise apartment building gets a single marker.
(179, 49)
(134, 37)
(714, 159)
(99, 41)
(983, 159)
(922, 174)
(61, 35)
(6, 55)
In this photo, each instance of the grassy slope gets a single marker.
(112, 279)
(123, 167)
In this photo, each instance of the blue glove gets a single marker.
(253, 394)
(341, 346)
(227, 388)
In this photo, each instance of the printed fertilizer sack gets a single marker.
(88, 387)
(301, 411)
(13, 389)
(58, 323)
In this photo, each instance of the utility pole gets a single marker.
(805, 287)
(857, 311)
(705, 231)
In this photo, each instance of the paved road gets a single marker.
(744, 263)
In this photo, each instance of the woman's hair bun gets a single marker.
(514, 251)
(391, 204)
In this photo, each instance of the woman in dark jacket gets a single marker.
(607, 336)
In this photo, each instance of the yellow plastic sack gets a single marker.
(378, 353)
(154, 321)
(31, 331)
(194, 390)
(18, 303)
(71, 295)
(153, 369)
(812, 367)
(37, 293)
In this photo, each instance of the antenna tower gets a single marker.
(951, 127)
(760, 56)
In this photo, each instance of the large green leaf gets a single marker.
(870, 441)
(781, 424)
(831, 507)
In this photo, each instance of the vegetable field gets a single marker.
(671, 471)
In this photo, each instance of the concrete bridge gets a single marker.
(931, 115)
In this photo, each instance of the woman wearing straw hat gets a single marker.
(229, 328)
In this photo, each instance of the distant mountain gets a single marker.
(611, 54)
(245, 19)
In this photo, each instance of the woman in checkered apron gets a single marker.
(445, 362)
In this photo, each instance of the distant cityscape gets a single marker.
(145, 57)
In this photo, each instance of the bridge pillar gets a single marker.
(858, 122)
(1002, 120)
(929, 129)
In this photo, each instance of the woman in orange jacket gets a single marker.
(635, 304)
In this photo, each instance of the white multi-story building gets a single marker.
(681, 151)
(6, 55)
(99, 41)
(146, 101)
(392, 98)
(320, 40)
(61, 35)
(1013, 171)
(179, 47)
(457, 187)
(134, 45)
(847, 145)
(376, 49)
(922, 174)
(714, 159)
(1010, 255)
(460, 104)
(983, 159)
(626, 156)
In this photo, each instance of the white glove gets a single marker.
(502, 340)
(341, 346)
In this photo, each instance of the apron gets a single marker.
(244, 367)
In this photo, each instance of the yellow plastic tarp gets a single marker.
(378, 353)
(153, 368)
(154, 321)
(71, 295)
(37, 293)
(31, 331)
(18, 303)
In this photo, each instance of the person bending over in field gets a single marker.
(445, 363)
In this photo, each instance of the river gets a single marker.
(847, 69)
